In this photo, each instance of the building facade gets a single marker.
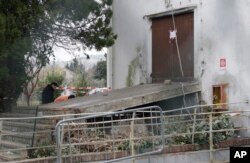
(183, 40)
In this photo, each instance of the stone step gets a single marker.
(29, 118)
(25, 138)
(10, 151)
(32, 111)
(11, 145)
(16, 115)
(32, 121)
(24, 110)
(24, 127)
(53, 112)
(10, 156)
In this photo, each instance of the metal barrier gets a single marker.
(23, 139)
(121, 135)
(110, 137)
(207, 126)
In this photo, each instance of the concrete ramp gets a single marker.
(120, 99)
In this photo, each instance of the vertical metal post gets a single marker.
(1, 130)
(149, 159)
(58, 143)
(113, 136)
(211, 137)
(194, 124)
(132, 136)
(70, 150)
(34, 129)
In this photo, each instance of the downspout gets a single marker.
(110, 68)
(110, 60)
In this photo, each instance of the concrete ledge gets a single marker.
(122, 98)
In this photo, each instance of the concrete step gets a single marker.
(10, 151)
(25, 138)
(11, 145)
(24, 110)
(17, 148)
(24, 127)
(32, 111)
(16, 115)
(10, 156)
(27, 120)
(54, 112)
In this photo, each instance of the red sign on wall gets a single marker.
(223, 63)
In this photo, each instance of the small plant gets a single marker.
(176, 125)
(69, 150)
(124, 146)
(144, 145)
(222, 122)
(140, 146)
(44, 149)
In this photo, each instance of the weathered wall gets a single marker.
(133, 37)
(221, 31)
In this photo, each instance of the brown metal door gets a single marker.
(165, 62)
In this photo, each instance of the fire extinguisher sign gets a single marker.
(223, 63)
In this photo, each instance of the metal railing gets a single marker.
(111, 137)
(206, 126)
(23, 139)
(122, 135)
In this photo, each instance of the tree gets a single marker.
(17, 21)
(35, 61)
(101, 71)
(29, 88)
(80, 79)
(27, 27)
(76, 66)
(84, 21)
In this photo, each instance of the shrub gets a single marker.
(182, 131)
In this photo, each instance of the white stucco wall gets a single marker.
(221, 30)
(134, 38)
(133, 35)
(224, 33)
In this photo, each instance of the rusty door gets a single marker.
(165, 62)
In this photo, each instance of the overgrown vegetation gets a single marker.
(45, 149)
(131, 72)
(101, 71)
(76, 66)
(140, 145)
(181, 130)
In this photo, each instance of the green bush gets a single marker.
(182, 131)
